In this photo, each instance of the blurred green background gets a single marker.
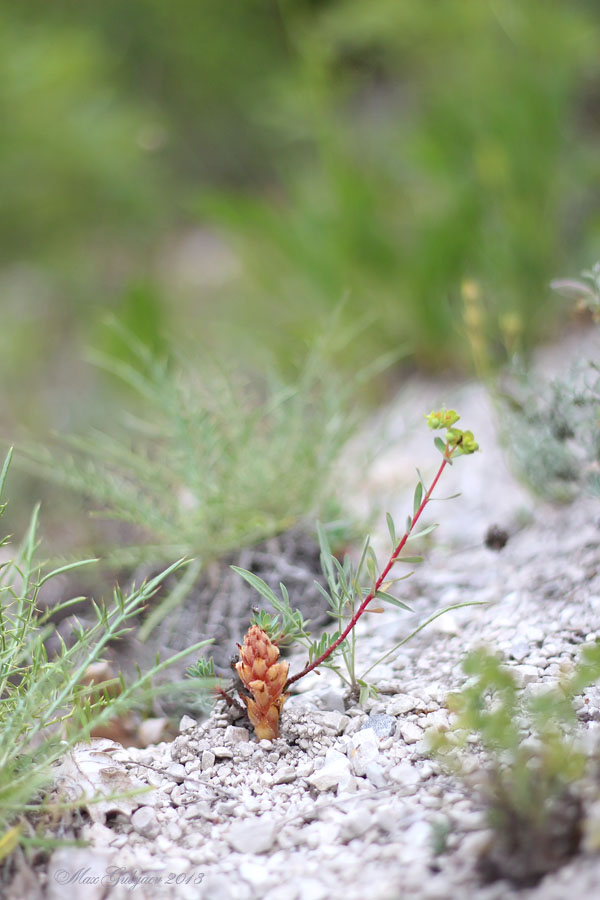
(225, 174)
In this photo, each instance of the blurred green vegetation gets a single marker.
(232, 172)
(426, 148)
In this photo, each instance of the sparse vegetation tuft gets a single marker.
(532, 763)
(46, 706)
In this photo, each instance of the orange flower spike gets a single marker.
(264, 675)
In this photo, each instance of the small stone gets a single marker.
(525, 675)
(218, 887)
(363, 749)
(252, 804)
(347, 785)
(519, 649)
(376, 775)
(237, 735)
(437, 719)
(174, 831)
(177, 772)
(383, 725)
(540, 688)
(145, 822)
(255, 873)
(334, 774)
(265, 744)
(333, 720)
(474, 844)
(305, 769)
(98, 835)
(285, 775)
(222, 752)
(186, 722)
(177, 796)
(471, 821)
(120, 840)
(418, 836)
(254, 835)
(64, 863)
(448, 623)
(153, 731)
(332, 699)
(402, 704)
(354, 825)
(437, 694)
(313, 889)
(405, 774)
(208, 760)
(411, 733)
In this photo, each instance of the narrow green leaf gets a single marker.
(323, 540)
(421, 534)
(66, 568)
(387, 598)
(409, 559)
(363, 557)
(441, 445)
(391, 529)
(285, 595)
(416, 631)
(258, 584)
(342, 578)
(401, 577)
(322, 590)
(364, 694)
(4, 471)
(372, 557)
(450, 497)
(417, 498)
(172, 601)
(371, 569)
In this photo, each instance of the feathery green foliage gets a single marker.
(553, 430)
(45, 706)
(211, 463)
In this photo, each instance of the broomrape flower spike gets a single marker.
(264, 676)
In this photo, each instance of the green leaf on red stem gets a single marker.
(422, 533)
(387, 598)
(417, 498)
(391, 529)
(441, 445)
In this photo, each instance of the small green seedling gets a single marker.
(532, 763)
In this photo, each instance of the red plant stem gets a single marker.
(361, 609)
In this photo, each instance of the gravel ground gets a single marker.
(347, 803)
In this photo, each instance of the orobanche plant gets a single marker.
(350, 593)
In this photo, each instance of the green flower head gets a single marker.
(442, 418)
(463, 440)
(469, 444)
